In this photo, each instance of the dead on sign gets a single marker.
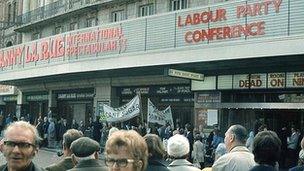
(250, 83)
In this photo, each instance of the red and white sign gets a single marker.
(220, 15)
(88, 42)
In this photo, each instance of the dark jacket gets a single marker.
(31, 167)
(263, 168)
(156, 165)
(62, 165)
(297, 168)
(91, 165)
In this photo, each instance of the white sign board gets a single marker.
(185, 74)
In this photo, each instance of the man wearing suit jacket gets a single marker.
(66, 163)
(85, 155)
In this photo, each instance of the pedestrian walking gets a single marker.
(97, 126)
(51, 133)
(292, 142)
(249, 141)
(198, 153)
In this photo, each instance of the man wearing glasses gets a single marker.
(20, 145)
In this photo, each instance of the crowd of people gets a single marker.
(129, 148)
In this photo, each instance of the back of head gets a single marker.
(69, 136)
(112, 130)
(240, 133)
(132, 142)
(84, 147)
(266, 148)
(178, 146)
(197, 137)
(220, 150)
(155, 146)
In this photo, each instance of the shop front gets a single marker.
(273, 99)
(36, 105)
(75, 104)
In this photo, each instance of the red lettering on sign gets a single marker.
(252, 29)
(204, 17)
(257, 8)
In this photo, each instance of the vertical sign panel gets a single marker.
(276, 80)
(295, 80)
(258, 81)
(224, 82)
(241, 81)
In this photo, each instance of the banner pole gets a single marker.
(140, 108)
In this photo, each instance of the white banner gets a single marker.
(157, 116)
(123, 113)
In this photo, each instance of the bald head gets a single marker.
(240, 133)
(235, 136)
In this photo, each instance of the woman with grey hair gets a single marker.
(178, 149)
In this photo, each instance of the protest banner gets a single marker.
(160, 117)
(123, 113)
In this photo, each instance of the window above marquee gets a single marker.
(146, 10)
(178, 4)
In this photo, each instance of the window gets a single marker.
(9, 16)
(118, 16)
(91, 22)
(146, 10)
(36, 36)
(14, 11)
(73, 26)
(178, 4)
(58, 29)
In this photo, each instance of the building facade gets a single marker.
(76, 55)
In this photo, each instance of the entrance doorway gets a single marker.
(274, 119)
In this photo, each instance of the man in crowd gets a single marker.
(238, 158)
(85, 155)
(66, 163)
(20, 145)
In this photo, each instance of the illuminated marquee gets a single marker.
(90, 42)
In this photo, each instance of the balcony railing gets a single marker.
(5, 25)
(54, 9)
